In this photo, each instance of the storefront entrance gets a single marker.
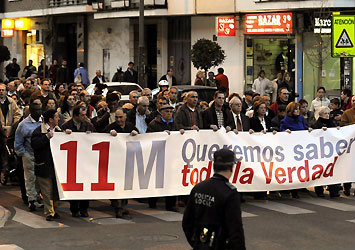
(273, 55)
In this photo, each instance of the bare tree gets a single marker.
(320, 50)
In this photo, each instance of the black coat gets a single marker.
(158, 125)
(321, 122)
(84, 126)
(183, 120)
(214, 204)
(245, 122)
(131, 117)
(255, 124)
(128, 77)
(128, 128)
(63, 75)
(210, 117)
(101, 122)
(96, 80)
(118, 76)
(44, 166)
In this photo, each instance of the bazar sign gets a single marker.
(226, 26)
(100, 166)
(343, 36)
(269, 23)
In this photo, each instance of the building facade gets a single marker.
(274, 35)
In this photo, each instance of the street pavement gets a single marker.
(308, 223)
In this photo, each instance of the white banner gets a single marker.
(100, 166)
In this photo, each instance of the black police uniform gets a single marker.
(212, 219)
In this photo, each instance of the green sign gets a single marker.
(343, 36)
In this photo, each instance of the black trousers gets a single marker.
(170, 202)
(347, 186)
(79, 205)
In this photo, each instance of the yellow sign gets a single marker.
(7, 24)
(23, 24)
(343, 36)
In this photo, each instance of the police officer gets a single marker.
(212, 219)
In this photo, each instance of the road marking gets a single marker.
(34, 221)
(4, 216)
(10, 247)
(246, 215)
(329, 204)
(353, 221)
(280, 207)
(98, 217)
(161, 214)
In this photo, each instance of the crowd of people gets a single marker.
(33, 108)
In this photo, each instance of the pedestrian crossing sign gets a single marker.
(343, 36)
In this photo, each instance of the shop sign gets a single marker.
(226, 26)
(269, 23)
(7, 24)
(322, 25)
(343, 36)
(7, 33)
(23, 24)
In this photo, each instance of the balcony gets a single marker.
(126, 4)
(65, 3)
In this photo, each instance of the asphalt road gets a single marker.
(309, 223)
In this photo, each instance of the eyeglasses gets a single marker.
(135, 97)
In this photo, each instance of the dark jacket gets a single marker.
(275, 122)
(245, 122)
(275, 106)
(100, 123)
(255, 124)
(84, 126)
(128, 77)
(131, 117)
(96, 80)
(310, 119)
(44, 166)
(183, 120)
(321, 122)
(214, 204)
(293, 123)
(63, 75)
(244, 107)
(210, 117)
(158, 125)
(128, 128)
(118, 76)
(335, 113)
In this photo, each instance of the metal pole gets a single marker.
(141, 57)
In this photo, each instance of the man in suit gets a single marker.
(98, 78)
(240, 121)
(130, 75)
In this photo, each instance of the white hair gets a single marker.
(143, 99)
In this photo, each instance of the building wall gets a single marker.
(204, 27)
(112, 34)
(25, 5)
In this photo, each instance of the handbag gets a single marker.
(77, 78)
